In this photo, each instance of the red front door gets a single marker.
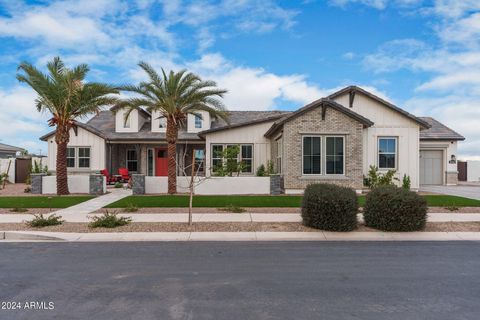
(161, 162)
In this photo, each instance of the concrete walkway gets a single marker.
(467, 191)
(89, 206)
(222, 217)
(37, 236)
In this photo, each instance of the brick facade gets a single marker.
(311, 123)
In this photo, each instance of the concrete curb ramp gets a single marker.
(13, 236)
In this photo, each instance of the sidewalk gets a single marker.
(15, 236)
(220, 217)
(97, 203)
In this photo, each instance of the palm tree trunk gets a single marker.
(62, 138)
(172, 134)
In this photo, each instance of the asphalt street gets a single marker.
(240, 280)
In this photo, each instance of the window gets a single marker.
(387, 153)
(150, 162)
(198, 121)
(126, 122)
(132, 160)
(334, 155)
(246, 157)
(312, 155)
(199, 160)
(279, 155)
(84, 157)
(217, 159)
(162, 122)
(70, 157)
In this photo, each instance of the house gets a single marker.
(333, 140)
(8, 151)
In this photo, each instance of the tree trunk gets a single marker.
(172, 133)
(62, 138)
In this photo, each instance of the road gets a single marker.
(247, 280)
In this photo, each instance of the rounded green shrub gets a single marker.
(329, 207)
(390, 208)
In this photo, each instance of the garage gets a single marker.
(431, 167)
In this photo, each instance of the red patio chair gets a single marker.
(110, 179)
(125, 175)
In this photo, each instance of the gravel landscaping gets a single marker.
(224, 227)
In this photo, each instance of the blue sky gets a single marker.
(422, 55)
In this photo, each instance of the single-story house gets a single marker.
(8, 151)
(333, 140)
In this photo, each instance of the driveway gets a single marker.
(467, 191)
(231, 280)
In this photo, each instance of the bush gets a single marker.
(261, 172)
(376, 179)
(330, 207)
(391, 208)
(131, 207)
(406, 182)
(19, 209)
(118, 185)
(109, 220)
(40, 221)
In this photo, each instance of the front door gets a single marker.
(161, 162)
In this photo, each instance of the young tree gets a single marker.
(174, 96)
(64, 94)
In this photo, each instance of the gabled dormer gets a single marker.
(200, 121)
(132, 123)
(159, 123)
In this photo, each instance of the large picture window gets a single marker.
(78, 157)
(217, 156)
(245, 155)
(132, 160)
(312, 155)
(387, 153)
(334, 155)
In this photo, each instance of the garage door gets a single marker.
(431, 167)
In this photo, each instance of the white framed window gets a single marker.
(245, 156)
(198, 121)
(334, 155)
(162, 122)
(387, 153)
(199, 160)
(150, 162)
(132, 160)
(127, 122)
(279, 155)
(312, 155)
(83, 157)
(71, 157)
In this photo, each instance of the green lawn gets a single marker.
(42, 201)
(260, 201)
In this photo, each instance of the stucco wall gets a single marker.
(252, 134)
(388, 123)
(83, 139)
(311, 123)
(473, 171)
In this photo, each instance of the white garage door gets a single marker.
(431, 167)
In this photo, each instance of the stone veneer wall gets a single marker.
(311, 123)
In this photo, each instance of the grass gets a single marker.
(42, 201)
(181, 201)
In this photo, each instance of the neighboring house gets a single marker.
(8, 151)
(332, 140)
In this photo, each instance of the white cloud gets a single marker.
(348, 55)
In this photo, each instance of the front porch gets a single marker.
(151, 159)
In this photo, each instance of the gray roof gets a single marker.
(438, 131)
(7, 147)
(382, 101)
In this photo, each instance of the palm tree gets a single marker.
(65, 95)
(174, 96)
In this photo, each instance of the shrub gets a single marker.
(390, 208)
(131, 207)
(109, 220)
(40, 221)
(330, 207)
(19, 209)
(232, 208)
(270, 168)
(261, 172)
(406, 182)
(118, 185)
(375, 178)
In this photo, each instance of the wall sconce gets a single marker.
(453, 159)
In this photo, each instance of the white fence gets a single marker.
(211, 185)
(473, 171)
(4, 168)
(76, 184)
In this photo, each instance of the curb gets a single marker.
(14, 236)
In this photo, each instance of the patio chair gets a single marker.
(125, 175)
(110, 179)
